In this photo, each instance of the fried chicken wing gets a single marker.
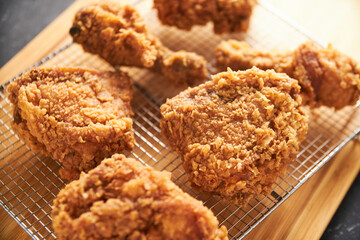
(118, 34)
(123, 199)
(237, 133)
(77, 116)
(326, 76)
(227, 15)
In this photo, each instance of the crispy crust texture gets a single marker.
(227, 15)
(123, 199)
(326, 76)
(77, 116)
(118, 34)
(237, 133)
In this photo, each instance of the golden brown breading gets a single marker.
(123, 199)
(227, 15)
(237, 133)
(181, 66)
(77, 116)
(326, 76)
(118, 34)
(238, 55)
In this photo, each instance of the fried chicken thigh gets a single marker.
(77, 116)
(326, 76)
(237, 133)
(123, 199)
(118, 34)
(227, 15)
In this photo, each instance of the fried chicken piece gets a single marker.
(77, 116)
(237, 133)
(326, 76)
(118, 34)
(123, 199)
(227, 15)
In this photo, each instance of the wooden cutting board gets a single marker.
(304, 215)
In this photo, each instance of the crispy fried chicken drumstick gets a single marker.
(237, 133)
(123, 199)
(118, 34)
(77, 116)
(326, 76)
(227, 15)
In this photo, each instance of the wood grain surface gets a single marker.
(307, 212)
(333, 21)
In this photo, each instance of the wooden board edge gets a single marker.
(46, 42)
(306, 213)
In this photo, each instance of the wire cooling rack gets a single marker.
(29, 181)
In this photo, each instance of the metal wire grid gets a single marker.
(30, 181)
